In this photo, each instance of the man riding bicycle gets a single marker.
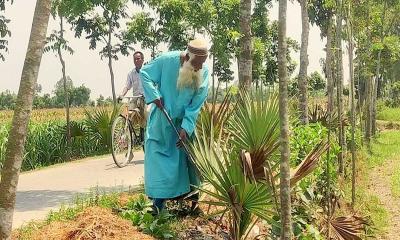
(133, 81)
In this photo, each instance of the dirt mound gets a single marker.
(93, 223)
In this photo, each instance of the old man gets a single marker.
(178, 82)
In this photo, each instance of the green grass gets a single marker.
(386, 146)
(383, 148)
(389, 114)
(396, 183)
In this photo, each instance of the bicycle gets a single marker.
(127, 136)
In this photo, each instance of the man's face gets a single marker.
(197, 62)
(138, 60)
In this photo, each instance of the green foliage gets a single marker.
(64, 214)
(303, 140)
(4, 30)
(389, 114)
(85, 18)
(358, 137)
(396, 183)
(3, 142)
(230, 166)
(139, 212)
(384, 148)
(78, 96)
(46, 141)
(394, 93)
(7, 100)
(98, 125)
(101, 101)
(142, 29)
(316, 84)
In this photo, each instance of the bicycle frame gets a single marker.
(126, 113)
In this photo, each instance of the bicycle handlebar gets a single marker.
(129, 98)
(136, 96)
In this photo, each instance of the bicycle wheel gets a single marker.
(121, 143)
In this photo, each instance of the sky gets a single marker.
(85, 66)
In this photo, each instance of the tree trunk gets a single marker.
(375, 95)
(66, 91)
(286, 230)
(368, 111)
(353, 108)
(110, 61)
(360, 105)
(23, 108)
(377, 75)
(213, 80)
(303, 83)
(330, 87)
(245, 59)
(339, 78)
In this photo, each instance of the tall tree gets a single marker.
(245, 58)
(330, 87)
(339, 78)
(23, 108)
(304, 62)
(286, 229)
(143, 29)
(388, 16)
(104, 28)
(352, 103)
(57, 43)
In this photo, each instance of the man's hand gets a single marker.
(183, 137)
(159, 103)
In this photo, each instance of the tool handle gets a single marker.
(169, 119)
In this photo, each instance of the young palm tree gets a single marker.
(23, 108)
(243, 201)
(245, 156)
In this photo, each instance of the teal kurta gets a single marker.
(167, 172)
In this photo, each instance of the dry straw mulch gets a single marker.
(92, 223)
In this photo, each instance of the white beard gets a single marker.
(188, 77)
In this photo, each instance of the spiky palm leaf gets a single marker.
(77, 130)
(254, 126)
(309, 163)
(320, 114)
(233, 191)
(98, 123)
(346, 228)
(216, 115)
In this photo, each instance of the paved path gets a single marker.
(43, 190)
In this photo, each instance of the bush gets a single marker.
(46, 142)
(394, 99)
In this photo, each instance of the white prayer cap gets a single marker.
(198, 47)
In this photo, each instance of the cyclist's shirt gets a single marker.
(133, 81)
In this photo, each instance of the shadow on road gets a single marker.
(131, 164)
(41, 199)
